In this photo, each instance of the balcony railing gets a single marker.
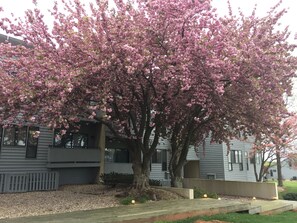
(76, 157)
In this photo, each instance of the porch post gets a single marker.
(102, 150)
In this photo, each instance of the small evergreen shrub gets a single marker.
(199, 193)
(126, 200)
(290, 196)
(113, 178)
(155, 183)
(143, 199)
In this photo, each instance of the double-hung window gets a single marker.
(235, 157)
(160, 156)
(24, 136)
(15, 136)
(32, 142)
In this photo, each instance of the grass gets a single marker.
(286, 217)
(290, 187)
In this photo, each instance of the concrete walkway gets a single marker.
(161, 210)
(263, 207)
(149, 212)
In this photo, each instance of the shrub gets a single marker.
(126, 200)
(113, 178)
(143, 199)
(290, 196)
(155, 182)
(199, 193)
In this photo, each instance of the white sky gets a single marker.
(18, 7)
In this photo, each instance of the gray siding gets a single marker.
(118, 167)
(13, 159)
(192, 155)
(287, 171)
(211, 160)
(247, 174)
(77, 175)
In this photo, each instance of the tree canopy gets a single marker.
(149, 67)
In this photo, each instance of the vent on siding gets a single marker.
(211, 176)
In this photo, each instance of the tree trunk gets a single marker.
(255, 169)
(101, 145)
(279, 169)
(141, 170)
(141, 178)
(176, 177)
(177, 162)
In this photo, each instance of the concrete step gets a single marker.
(255, 209)
(269, 207)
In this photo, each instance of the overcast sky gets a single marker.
(18, 7)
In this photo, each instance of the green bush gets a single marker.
(290, 196)
(155, 182)
(143, 199)
(126, 200)
(113, 178)
(199, 193)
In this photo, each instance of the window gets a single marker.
(160, 156)
(235, 157)
(0, 135)
(117, 155)
(21, 137)
(31, 151)
(15, 136)
(230, 165)
(256, 158)
(246, 160)
(70, 140)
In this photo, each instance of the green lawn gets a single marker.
(286, 217)
(290, 187)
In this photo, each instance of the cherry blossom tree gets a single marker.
(252, 101)
(130, 63)
(276, 147)
(142, 67)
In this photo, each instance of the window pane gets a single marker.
(64, 141)
(1, 130)
(121, 156)
(164, 160)
(230, 166)
(236, 156)
(9, 134)
(252, 159)
(239, 156)
(157, 157)
(80, 140)
(20, 136)
(233, 159)
(241, 166)
(109, 154)
(32, 145)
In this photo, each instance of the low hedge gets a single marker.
(113, 178)
(199, 193)
(290, 196)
